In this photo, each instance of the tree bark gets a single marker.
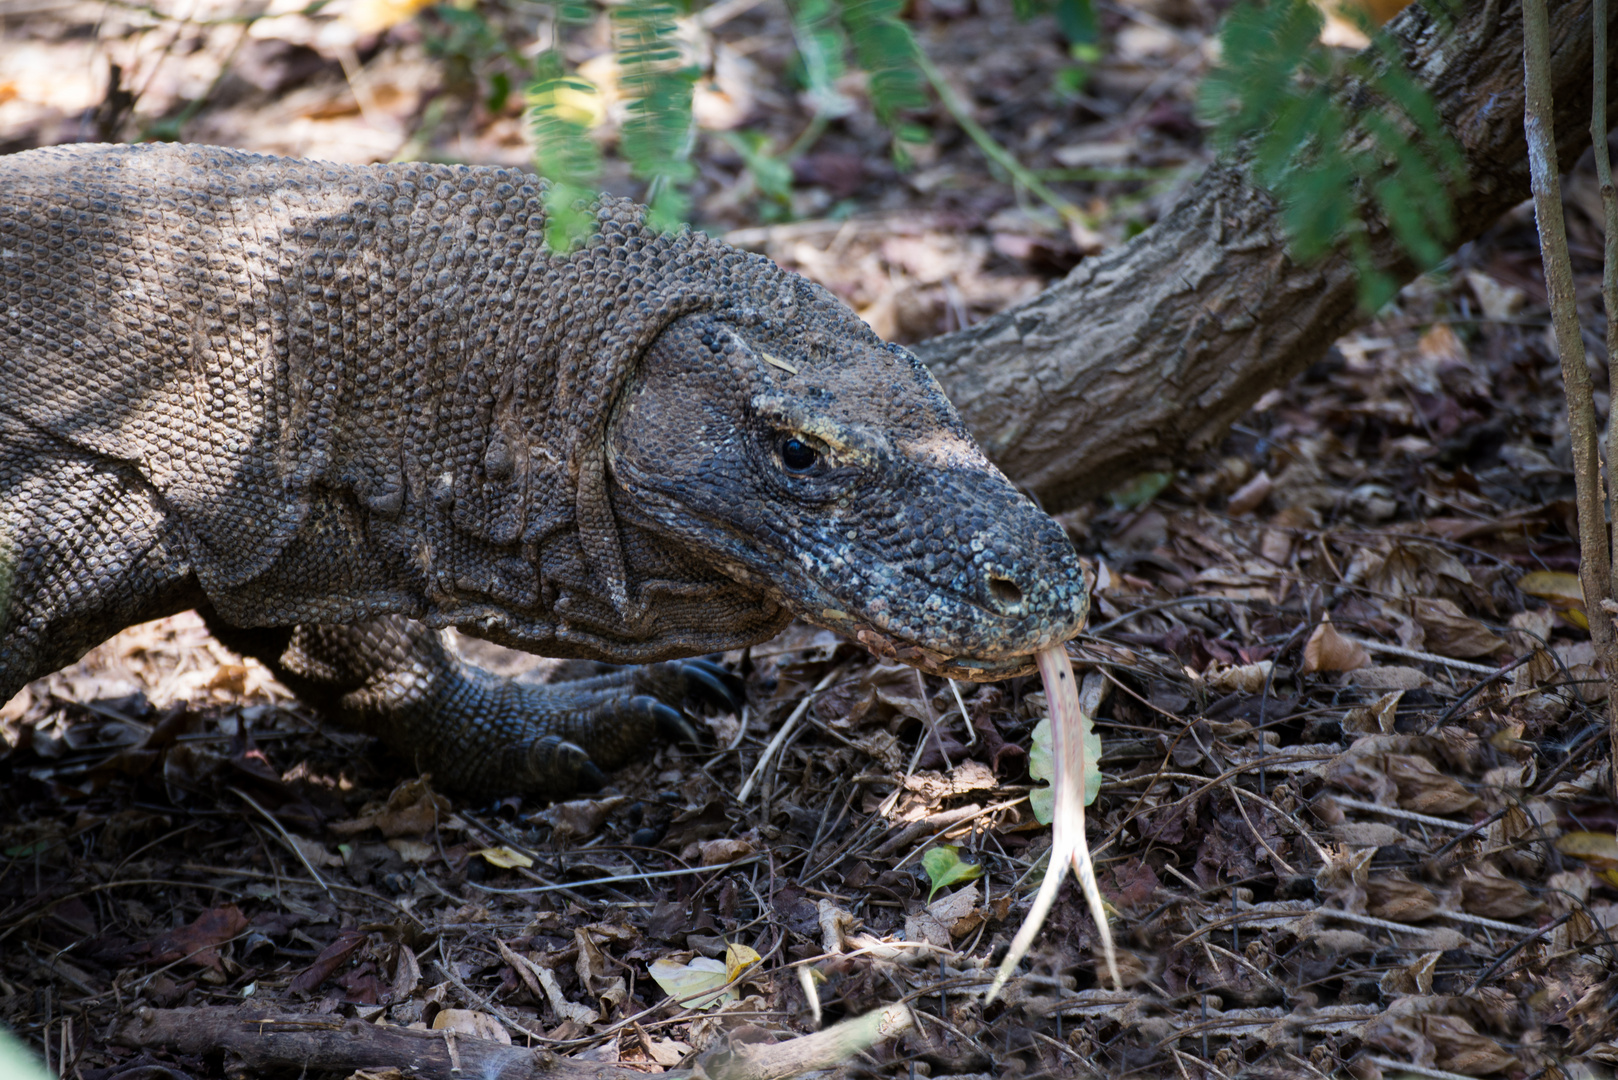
(1148, 353)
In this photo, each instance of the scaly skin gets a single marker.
(322, 401)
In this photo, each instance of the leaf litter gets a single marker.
(1351, 812)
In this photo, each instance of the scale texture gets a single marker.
(339, 408)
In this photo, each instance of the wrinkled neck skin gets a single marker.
(824, 468)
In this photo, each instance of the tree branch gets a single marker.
(1149, 352)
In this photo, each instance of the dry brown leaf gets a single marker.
(595, 972)
(1398, 899)
(504, 857)
(1327, 650)
(1461, 1049)
(1276, 546)
(1376, 717)
(1598, 849)
(947, 917)
(412, 810)
(578, 817)
(1530, 629)
(1415, 977)
(1424, 789)
(470, 1022)
(1451, 632)
(1487, 892)
(1241, 678)
(1562, 590)
(1497, 300)
(1246, 498)
(719, 852)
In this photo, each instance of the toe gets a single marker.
(670, 724)
(590, 778)
(559, 768)
(712, 685)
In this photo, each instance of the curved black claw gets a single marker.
(559, 766)
(713, 685)
(590, 778)
(670, 724)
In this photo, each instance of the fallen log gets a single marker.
(260, 1041)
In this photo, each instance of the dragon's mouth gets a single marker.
(933, 662)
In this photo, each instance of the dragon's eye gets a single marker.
(797, 455)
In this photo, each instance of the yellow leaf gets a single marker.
(571, 99)
(1600, 850)
(505, 858)
(693, 985)
(738, 958)
(1561, 589)
(374, 16)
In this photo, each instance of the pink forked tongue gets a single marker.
(1068, 845)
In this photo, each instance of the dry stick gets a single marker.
(286, 839)
(1406, 1067)
(781, 736)
(1609, 206)
(1595, 560)
(1609, 299)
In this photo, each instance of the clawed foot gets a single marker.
(476, 732)
(603, 722)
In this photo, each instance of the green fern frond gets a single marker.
(822, 46)
(564, 153)
(885, 49)
(1274, 96)
(658, 127)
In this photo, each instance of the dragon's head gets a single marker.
(789, 447)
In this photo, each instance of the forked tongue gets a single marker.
(1068, 845)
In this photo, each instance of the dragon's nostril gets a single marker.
(1005, 591)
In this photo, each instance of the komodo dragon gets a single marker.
(337, 408)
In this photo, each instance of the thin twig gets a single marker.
(286, 839)
(1424, 657)
(1395, 812)
(645, 875)
(1595, 557)
(1609, 207)
(1513, 951)
(992, 149)
(781, 736)
(1414, 1070)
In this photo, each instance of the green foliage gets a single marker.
(560, 111)
(1139, 490)
(1042, 766)
(944, 868)
(1273, 94)
(655, 86)
(771, 176)
(1076, 19)
(657, 132)
(884, 47)
(822, 48)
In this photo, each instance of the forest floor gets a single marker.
(1354, 816)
